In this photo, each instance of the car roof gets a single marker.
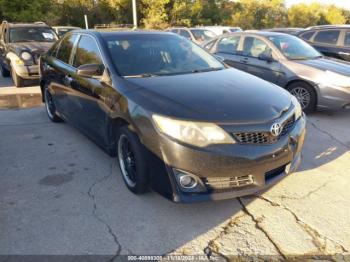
(27, 25)
(57, 26)
(260, 33)
(328, 27)
(121, 32)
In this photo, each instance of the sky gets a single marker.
(340, 3)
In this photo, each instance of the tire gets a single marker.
(133, 164)
(4, 71)
(17, 80)
(50, 106)
(305, 94)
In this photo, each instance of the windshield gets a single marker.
(202, 35)
(294, 48)
(156, 55)
(32, 34)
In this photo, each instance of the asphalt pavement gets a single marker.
(61, 194)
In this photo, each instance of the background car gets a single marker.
(62, 30)
(178, 119)
(330, 40)
(196, 35)
(20, 48)
(286, 30)
(221, 30)
(290, 63)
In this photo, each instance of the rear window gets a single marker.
(327, 37)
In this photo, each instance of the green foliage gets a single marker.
(154, 14)
(22, 10)
(159, 14)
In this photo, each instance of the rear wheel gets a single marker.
(132, 161)
(17, 80)
(50, 106)
(305, 94)
(4, 71)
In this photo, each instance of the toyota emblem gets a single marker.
(276, 129)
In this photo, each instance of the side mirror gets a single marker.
(90, 70)
(266, 57)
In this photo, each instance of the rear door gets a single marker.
(60, 71)
(227, 49)
(253, 47)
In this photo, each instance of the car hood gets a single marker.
(334, 65)
(33, 47)
(227, 95)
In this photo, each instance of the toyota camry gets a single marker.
(179, 121)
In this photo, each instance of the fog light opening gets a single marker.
(187, 181)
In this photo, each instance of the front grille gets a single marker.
(227, 183)
(263, 137)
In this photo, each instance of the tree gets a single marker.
(334, 15)
(303, 15)
(259, 14)
(155, 15)
(25, 11)
(180, 13)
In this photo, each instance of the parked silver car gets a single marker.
(196, 35)
(286, 60)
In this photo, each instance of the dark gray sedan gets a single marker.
(316, 81)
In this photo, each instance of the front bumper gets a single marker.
(333, 97)
(267, 164)
(27, 71)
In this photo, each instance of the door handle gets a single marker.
(68, 80)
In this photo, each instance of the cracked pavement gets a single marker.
(61, 194)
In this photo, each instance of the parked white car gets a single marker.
(221, 30)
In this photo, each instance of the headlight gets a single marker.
(337, 79)
(26, 56)
(193, 133)
(297, 108)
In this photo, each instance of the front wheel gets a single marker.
(132, 161)
(50, 106)
(305, 94)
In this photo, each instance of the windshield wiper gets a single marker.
(141, 76)
(207, 69)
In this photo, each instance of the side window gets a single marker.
(347, 39)
(174, 31)
(87, 52)
(65, 48)
(327, 37)
(185, 34)
(307, 35)
(254, 47)
(229, 44)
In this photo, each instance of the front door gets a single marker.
(253, 47)
(88, 93)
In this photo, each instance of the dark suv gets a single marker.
(20, 48)
(332, 41)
